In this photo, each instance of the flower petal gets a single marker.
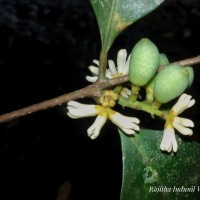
(91, 78)
(112, 67)
(174, 143)
(192, 102)
(128, 131)
(124, 122)
(184, 122)
(166, 142)
(169, 142)
(94, 70)
(126, 68)
(96, 62)
(182, 104)
(121, 60)
(78, 110)
(72, 116)
(183, 130)
(78, 105)
(74, 104)
(108, 74)
(125, 92)
(94, 130)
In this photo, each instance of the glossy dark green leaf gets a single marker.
(149, 174)
(114, 16)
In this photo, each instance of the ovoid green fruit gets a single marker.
(150, 85)
(171, 82)
(191, 75)
(163, 59)
(144, 62)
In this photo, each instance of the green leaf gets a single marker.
(114, 16)
(147, 171)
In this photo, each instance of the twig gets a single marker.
(93, 90)
(186, 62)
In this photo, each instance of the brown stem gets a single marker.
(87, 91)
(186, 62)
(93, 90)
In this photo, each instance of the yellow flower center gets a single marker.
(170, 119)
(117, 75)
(104, 111)
(108, 98)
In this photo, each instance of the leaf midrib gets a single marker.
(108, 29)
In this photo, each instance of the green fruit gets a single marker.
(144, 62)
(163, 59)
(191, 75)
(170, 83)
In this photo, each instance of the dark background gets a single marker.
(45, 43)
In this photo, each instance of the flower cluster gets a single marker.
(129, 125)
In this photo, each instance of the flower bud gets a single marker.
(144, 62)
(170, 83)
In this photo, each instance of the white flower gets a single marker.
(113, 71)
(77, 110)
(169, 142)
